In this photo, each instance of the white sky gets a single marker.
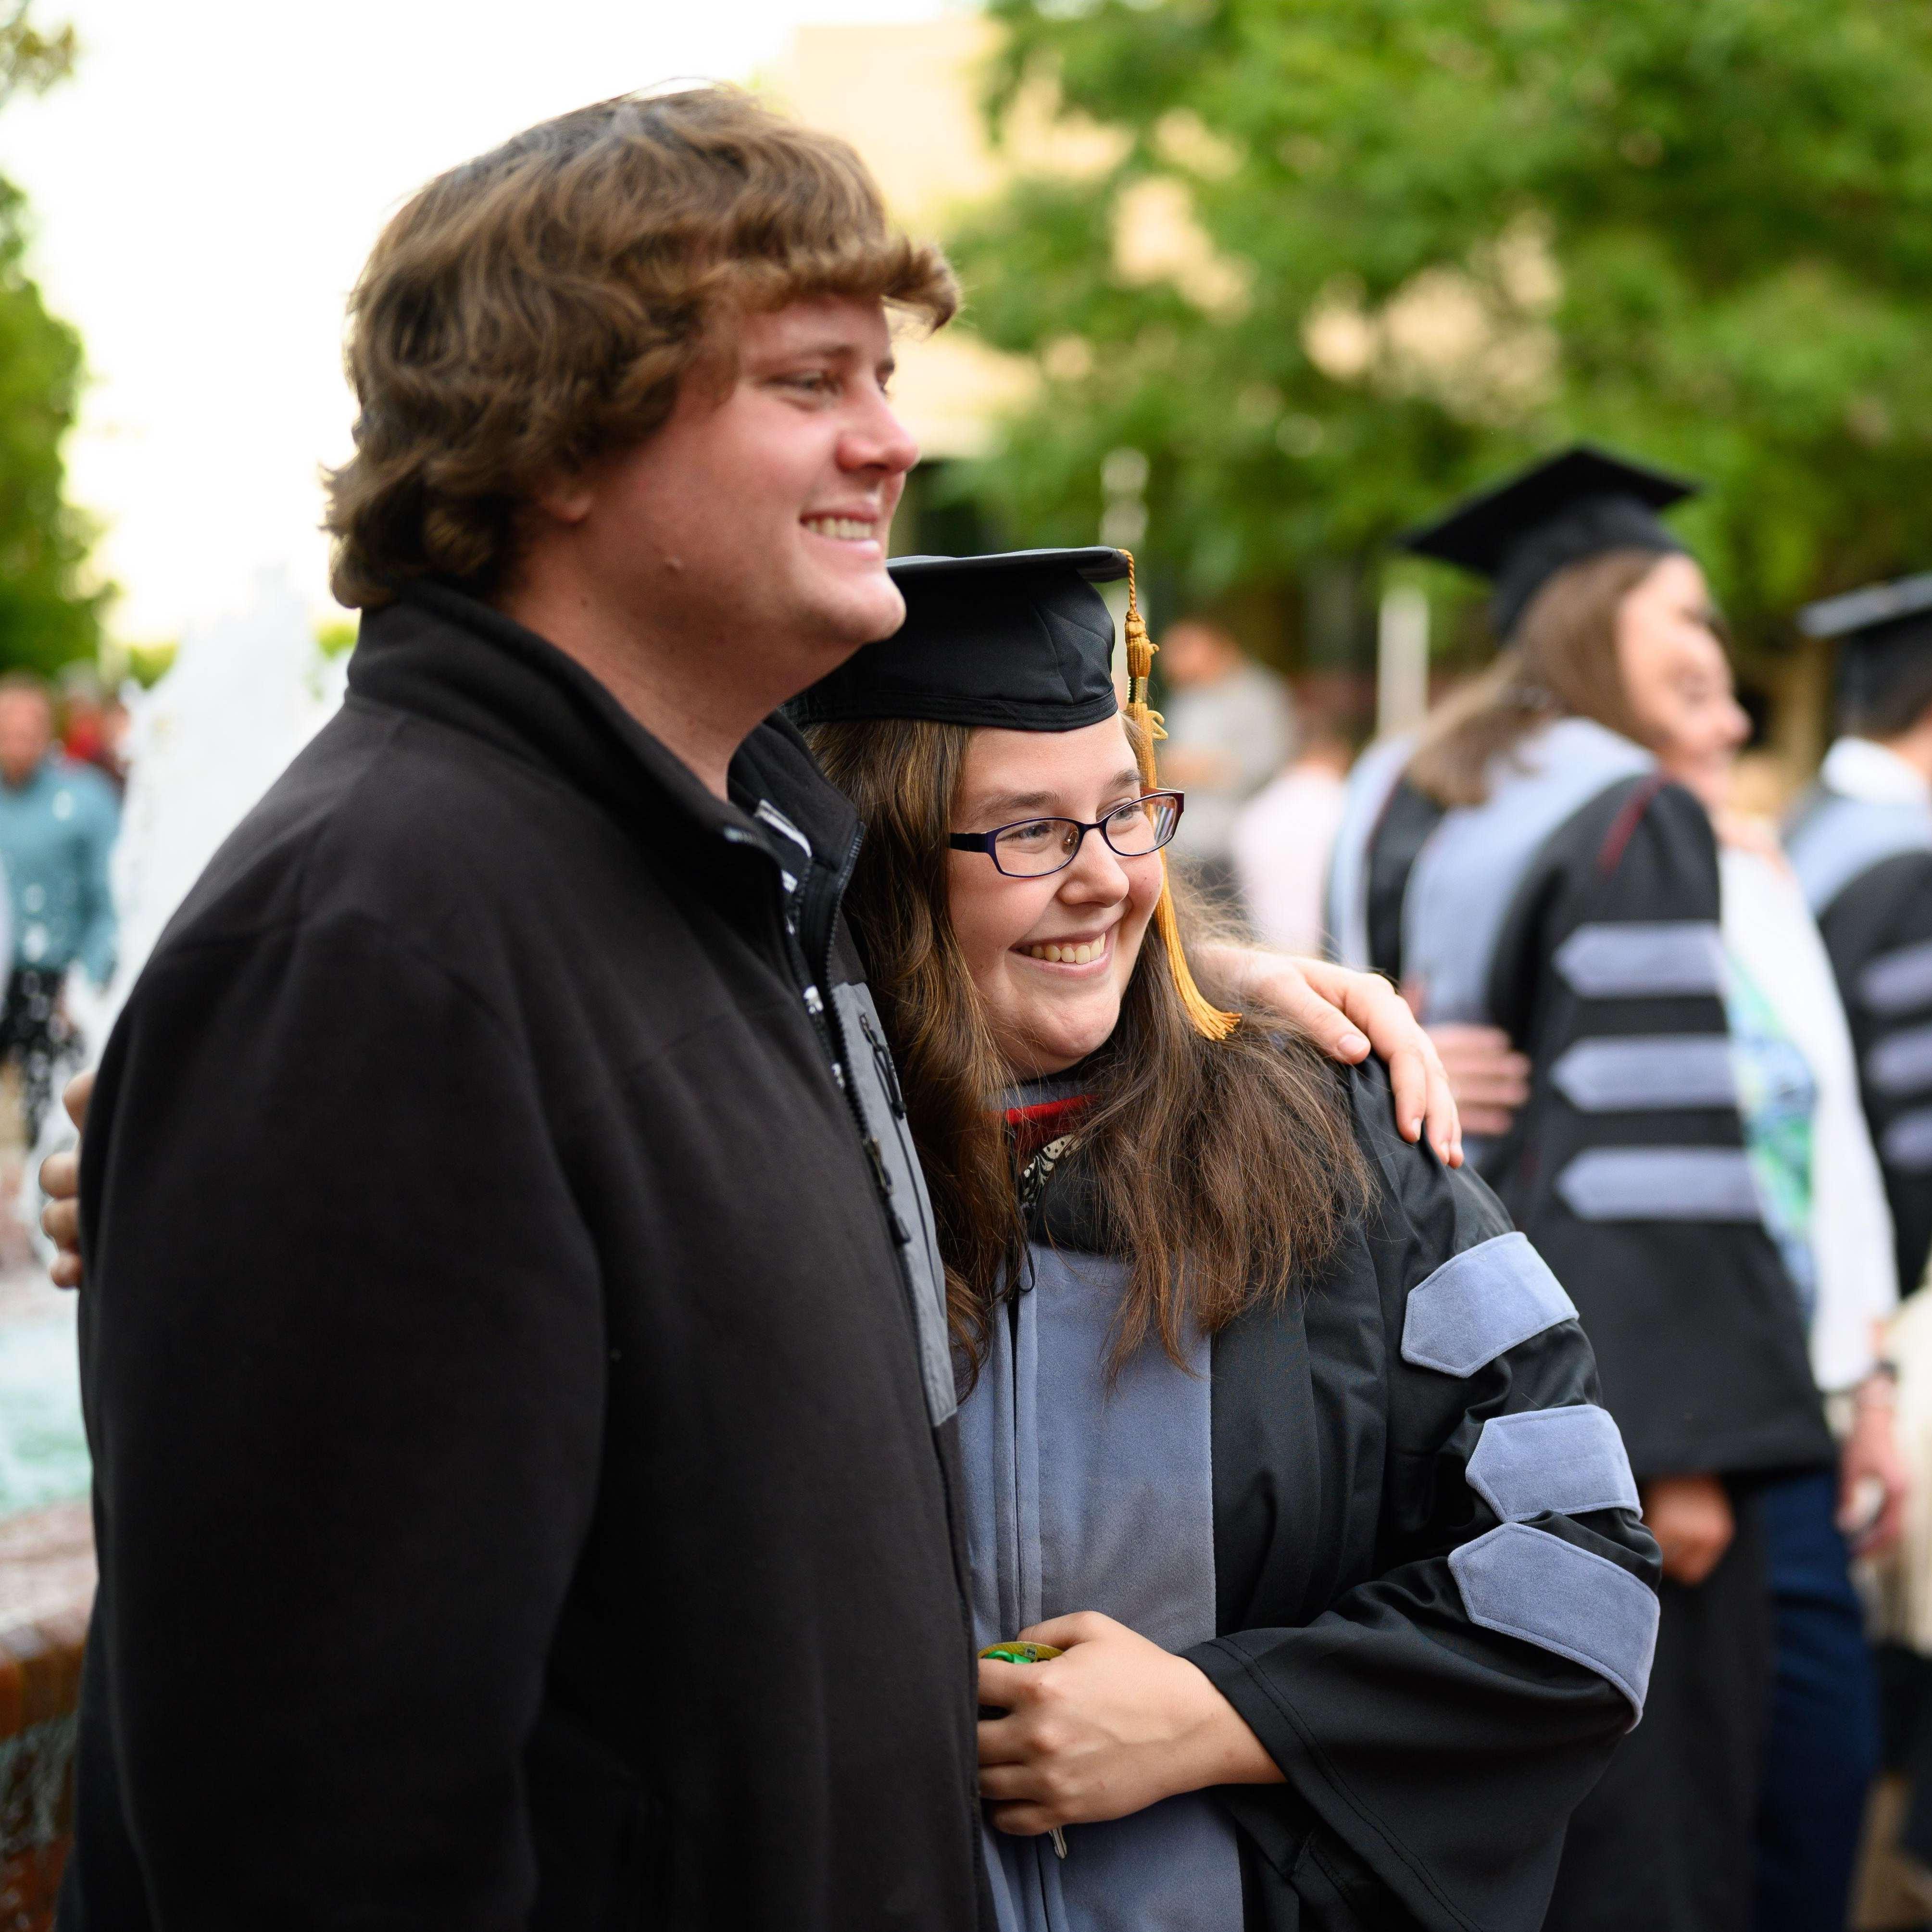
(205, 190)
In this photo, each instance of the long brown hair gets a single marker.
(1559, 661)
(538, 307)
(1225, 1171)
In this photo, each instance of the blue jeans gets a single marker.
(1822, 1751)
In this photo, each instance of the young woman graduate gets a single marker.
(1527, 865)
(1274, 1426)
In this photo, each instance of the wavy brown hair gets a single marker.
(1226, 1171)
(538, 307)
(1559, 661)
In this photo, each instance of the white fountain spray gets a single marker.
(244, 695)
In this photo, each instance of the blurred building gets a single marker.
(906, 96)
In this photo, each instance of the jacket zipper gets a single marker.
(828, 1017)
(791, 908)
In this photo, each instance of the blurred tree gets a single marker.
(45, 618)
(1343, 260)
(148, 664)
(29, 59)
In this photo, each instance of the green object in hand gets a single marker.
(1014, 1651)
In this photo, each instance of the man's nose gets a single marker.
(878, 439)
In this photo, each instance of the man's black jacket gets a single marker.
(517, 1494)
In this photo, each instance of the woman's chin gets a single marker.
(1045, 1050)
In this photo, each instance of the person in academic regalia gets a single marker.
(1526, 865)
(1272, 1424)
(1862, 844)
(1824, 1205)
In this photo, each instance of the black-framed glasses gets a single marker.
(1031, 848)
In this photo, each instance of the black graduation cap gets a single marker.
(1886, 630)
(1020, 639)
(1568, 508)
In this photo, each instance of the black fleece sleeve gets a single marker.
(343, 1360)
(1439, 1723)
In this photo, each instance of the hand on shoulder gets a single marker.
(1348, 1015)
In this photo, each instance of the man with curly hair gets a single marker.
(513, 1340)
(518, 1497)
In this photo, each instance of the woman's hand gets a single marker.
(1873, 1480)
(1348, 1014)
(1114, 1725)
(1489, 1079)
(1690, 1517)
(60, 1180)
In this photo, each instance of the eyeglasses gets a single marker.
(1032, 848)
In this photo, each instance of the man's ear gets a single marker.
(566, 497)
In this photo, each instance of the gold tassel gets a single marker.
(1206, 1019)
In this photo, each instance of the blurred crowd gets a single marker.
(61, 780)
(806, 1233)
(1532, 866)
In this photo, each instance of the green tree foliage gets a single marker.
(45, 619)
(29, 59)
(1438, 237)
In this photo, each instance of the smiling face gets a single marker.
(755, 521)
(1051, 957)
(1678, 679)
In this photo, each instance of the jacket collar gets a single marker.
(439, 655)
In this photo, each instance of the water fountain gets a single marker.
(242, 697)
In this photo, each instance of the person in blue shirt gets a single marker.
(58, 822)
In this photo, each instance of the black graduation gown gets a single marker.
(1627, 1168)
(1867, 868)
(1424, 1584)
(1595, 943)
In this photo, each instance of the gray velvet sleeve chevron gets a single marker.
(1878, 929)
(1439, 1720)
(1559, 1456)
(1627, 1170)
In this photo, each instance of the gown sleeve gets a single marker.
(1437, 1723)
(1878, 932)
(1627, 1168)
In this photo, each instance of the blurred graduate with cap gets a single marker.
(1524, 863)
(1862, 844)
(1272, 1425)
